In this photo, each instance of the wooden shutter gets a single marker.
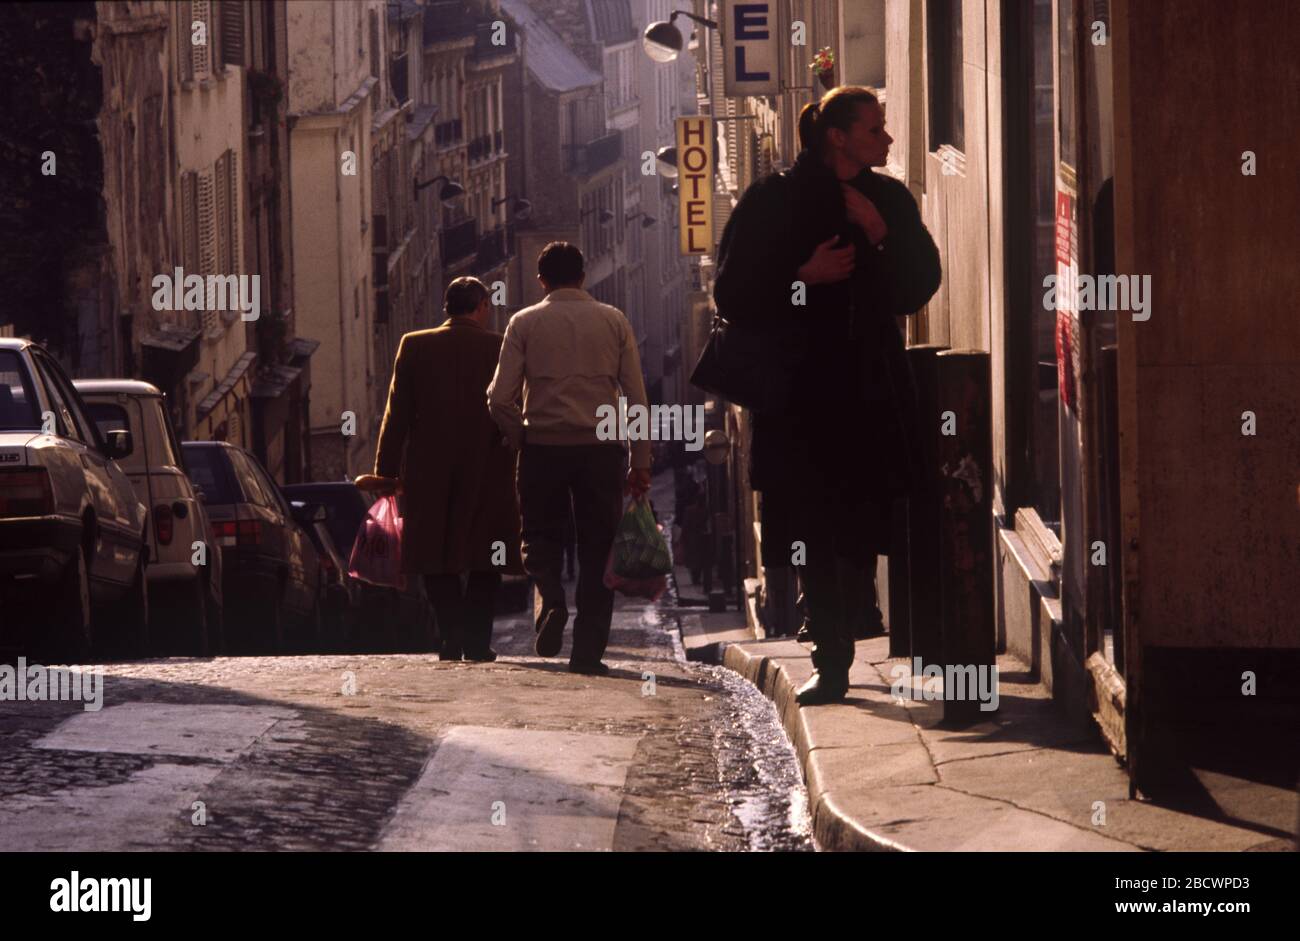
(190, 222)
(207, 241)
(232, 32)
(234, 260)
(201, 62)
(184, 38)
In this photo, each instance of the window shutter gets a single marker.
(184, 40)
(201, 64)
(234, 260)
(207, 241)
(222, 196)
(232, 32)
(190, 222)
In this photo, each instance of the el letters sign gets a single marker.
(751, 48)
(695, 183)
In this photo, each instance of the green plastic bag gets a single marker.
(639, 547)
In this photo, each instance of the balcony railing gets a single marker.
(493, 250)
(498, 141)
(447, 133)
(447, 19)
(597, 154)
(459, 241)
(480, 148)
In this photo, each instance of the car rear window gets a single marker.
(18, 407)
(208, 469)
(343, 511)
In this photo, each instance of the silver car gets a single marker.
(185, 564)
(73, 549)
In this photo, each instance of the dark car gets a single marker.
(389, 617)
(343, 593)
(73, 534)
(271, 571)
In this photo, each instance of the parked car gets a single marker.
(271, 571)
(390, 618)
(343, 593)
(73, 540)
(184, 570)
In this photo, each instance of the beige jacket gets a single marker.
(569, 354)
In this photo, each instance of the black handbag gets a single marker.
(753, 367)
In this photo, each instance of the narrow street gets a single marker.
(514, 755)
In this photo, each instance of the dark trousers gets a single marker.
(464, 614)
(835, 575)
(591, 475)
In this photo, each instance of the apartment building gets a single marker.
(336, 89)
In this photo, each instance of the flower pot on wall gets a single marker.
(827, 79)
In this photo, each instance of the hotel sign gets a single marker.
(695, 183)
(751, 48)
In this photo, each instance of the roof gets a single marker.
(613, 21)
(549, 60)
(116, 387)
(14, 343)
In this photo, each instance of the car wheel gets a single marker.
(133, 613)
(70, 630)
(216, 616)
(198, 615)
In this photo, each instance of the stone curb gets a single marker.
(833, 829)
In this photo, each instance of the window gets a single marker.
(944, 50)
(19, 409)
(72, 423)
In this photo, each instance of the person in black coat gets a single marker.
(826, 255)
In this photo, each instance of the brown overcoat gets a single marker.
(457, 471)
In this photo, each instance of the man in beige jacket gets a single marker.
(570, 356)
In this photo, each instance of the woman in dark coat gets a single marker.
(830, 465)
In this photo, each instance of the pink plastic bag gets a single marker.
(377, 551)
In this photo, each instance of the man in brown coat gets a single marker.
(441, 450)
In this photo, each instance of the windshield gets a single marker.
(18, 406)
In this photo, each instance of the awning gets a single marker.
(224, 400)
(274, 382)
(167, 353)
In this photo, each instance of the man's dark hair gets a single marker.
(463, 296)
(560, 264)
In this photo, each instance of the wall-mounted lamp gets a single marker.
(662, 41)
(450, 190)
(647, 220)
(604, 218)
(522, 207)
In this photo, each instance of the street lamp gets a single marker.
(666, 158)
(604, 218)
(647, 220)
(663, 41)
(522, 207)
(450, 190)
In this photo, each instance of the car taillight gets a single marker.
(26, 492)
(238, 532)
(162, 523)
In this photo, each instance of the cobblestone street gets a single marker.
(517, 754)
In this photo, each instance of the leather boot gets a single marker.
(820, 690)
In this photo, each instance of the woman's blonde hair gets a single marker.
(837, 108)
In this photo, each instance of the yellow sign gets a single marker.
(695, 183)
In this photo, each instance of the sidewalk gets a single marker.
(884, 775)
